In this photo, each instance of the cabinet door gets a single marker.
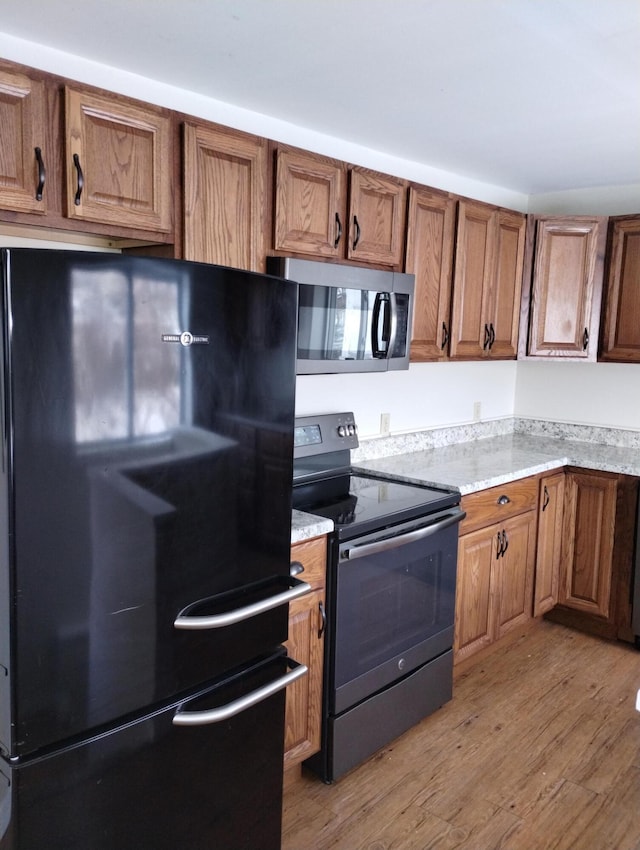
(566, 287)
(430, 235)
(514, 568)
(475, 606)
(304, 696)
(376, 217)
(22, 154)
(589, 525)
(474, 265)
(224, 178)
(118, 161)
(550, 517)
(310, 208)
(621, 329)
(504, 316)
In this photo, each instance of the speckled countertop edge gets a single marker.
(475, 458)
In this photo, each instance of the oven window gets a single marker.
(392, 610)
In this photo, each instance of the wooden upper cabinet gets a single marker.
(430, 236)
(224, 180)
(566, 266)
(377, 213)
(312, 217)
(23, 153)
(311, 203)
(487, 282)
(118, 161)
(621, 327)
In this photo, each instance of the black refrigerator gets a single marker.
(147, 421)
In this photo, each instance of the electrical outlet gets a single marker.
(385, 423)
(477, 411)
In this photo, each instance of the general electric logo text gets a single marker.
(186, 338)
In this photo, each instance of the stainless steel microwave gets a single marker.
(350, 319)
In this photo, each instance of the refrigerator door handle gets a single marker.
(224, 712)
(228, 618)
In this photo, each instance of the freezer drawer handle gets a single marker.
(229, 618)
(387, 543)
(224, 712)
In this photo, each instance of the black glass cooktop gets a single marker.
(361, 503)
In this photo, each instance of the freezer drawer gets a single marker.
(155, 785)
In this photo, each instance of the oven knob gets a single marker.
(352, 430)
(401, 664)
(342, 431)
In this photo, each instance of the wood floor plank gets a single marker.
(538, 750)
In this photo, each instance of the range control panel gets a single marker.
(327, 432)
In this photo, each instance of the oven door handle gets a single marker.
(384, 545)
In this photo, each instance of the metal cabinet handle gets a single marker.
(80, 184)
(357, 232)
(229, 618)
(498, 545)
(585, 340)
(546, 498)
(504, 500)
(505, 542)
(323, 619)
(445, 337)
(338, 231)
(42, 174)
(492, 336)
(487, 337)
(224, 712)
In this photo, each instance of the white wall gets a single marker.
(601, 200)
(428, 395)
(603, 394)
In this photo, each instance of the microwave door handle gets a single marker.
(380, 299)
(393, 321)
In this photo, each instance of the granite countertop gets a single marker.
(489, 462)
(478, 464)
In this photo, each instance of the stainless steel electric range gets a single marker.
(391, 578)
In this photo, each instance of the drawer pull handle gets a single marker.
(295, 569)
(504, 500)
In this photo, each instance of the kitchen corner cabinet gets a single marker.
(487, 282)
(307, 619)
(549, 549)
(225, 197)
(23, 163)
(430, 238)
(563, 279)
(119, 161)
(621, 326)
(496, 562)
(597, 553)
(312, 216)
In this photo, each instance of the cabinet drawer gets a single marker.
(312, 554)
(498, 503)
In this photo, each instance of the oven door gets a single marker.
(395, 602)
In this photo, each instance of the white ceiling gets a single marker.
(532, 95)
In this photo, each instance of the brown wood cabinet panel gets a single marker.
(511, 230)
(550, 524)
(430, 237)
(496, 504)
(225, 180)
(589, 528)
(122, 149)
(377, 213)
(475, 606)
(566, 286)
(472, 281)
(621, 326)
(306, 644)
(23, 150)
(310, 204)
(514, 569)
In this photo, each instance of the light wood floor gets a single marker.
(538, 750)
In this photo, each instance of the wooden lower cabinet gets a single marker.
(496, 563)
(306, 645)
(549, 548)
(600, 512)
